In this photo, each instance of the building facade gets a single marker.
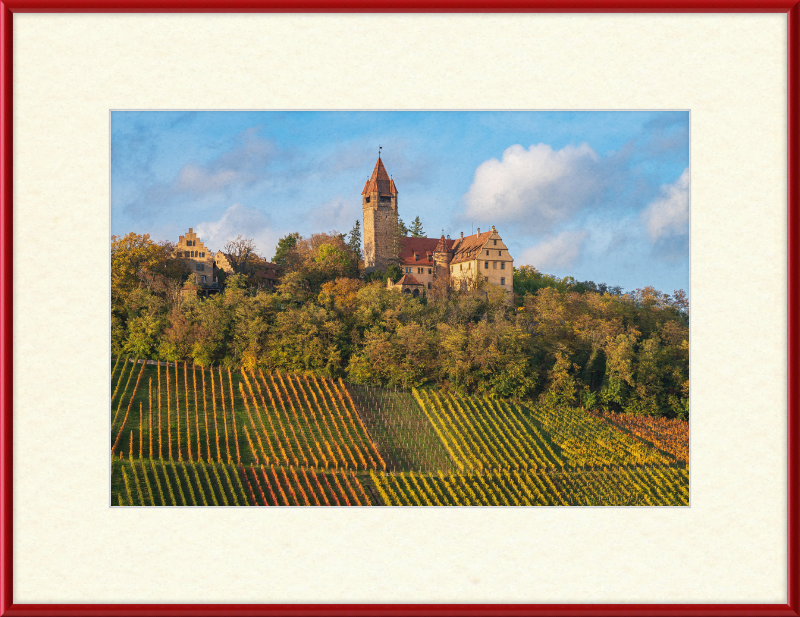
(424, 261)
(198, 259)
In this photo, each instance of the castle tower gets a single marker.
(379, 203)
(442, 256)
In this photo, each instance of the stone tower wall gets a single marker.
(381, 242)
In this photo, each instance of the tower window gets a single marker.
(367, 199)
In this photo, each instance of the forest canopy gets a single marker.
(553, 340)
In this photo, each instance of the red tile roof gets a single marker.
(469, 247)
(422, 247)
(380, 181)
(408, 279)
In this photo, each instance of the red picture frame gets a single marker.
(7, 10)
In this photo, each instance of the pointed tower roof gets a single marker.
(442, 247)
(380, 181)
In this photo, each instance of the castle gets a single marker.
(425, 261)
(205, 266)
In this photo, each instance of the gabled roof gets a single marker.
(422, 247)
(468, 247)
(380, 181)
(408, 279)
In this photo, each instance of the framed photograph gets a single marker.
(218, 291)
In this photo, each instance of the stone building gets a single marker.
(198, 259)
(379, 205)
(460, 262)
(264, 272)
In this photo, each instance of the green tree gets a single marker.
(285, 252)
(416, 229)
(354, 240)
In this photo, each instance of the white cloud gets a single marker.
(535, 187)
(561, 251)
(244, 163)
(239, 219)
(668, 215)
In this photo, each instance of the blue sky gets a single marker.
(600, 196)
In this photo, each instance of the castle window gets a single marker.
(499, 252)
(189, 243)
(495, 242)
(200, 267)
(429, 285)
(502, 280)
(502, 265)
(461, 267)
(430, 257)
(367, 200)
(202, 279)
(486, 279)
(485, 265)
(430, 270)
(487, 253)
(408, 270)
(416, 256)
(494, 265)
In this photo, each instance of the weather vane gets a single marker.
(379, 150)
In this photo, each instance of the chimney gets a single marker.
(462, 234)
(479, 231)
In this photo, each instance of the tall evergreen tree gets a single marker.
(354, 241)
(416, 229)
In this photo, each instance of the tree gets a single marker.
(416, 229)
(137, 261)
(241, 254)
(402, 230)
(354, 241)
(285, 253)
